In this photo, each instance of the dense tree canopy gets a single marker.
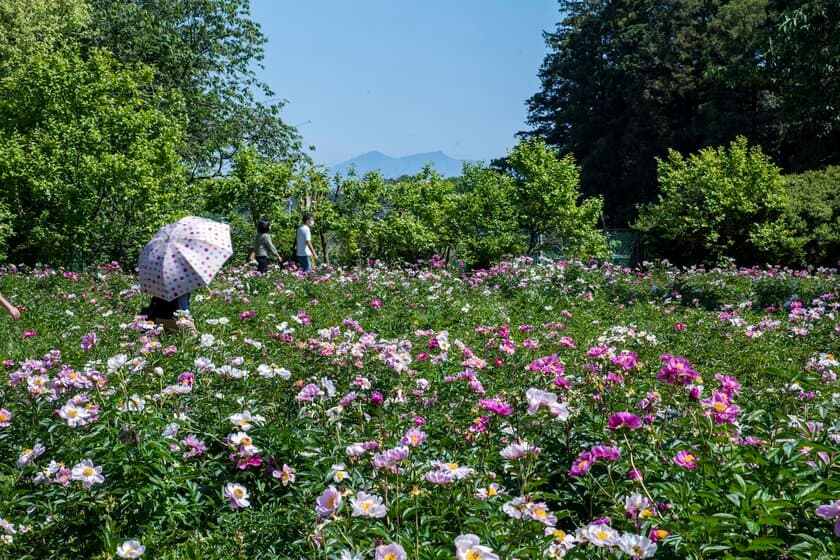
(88, 161)
(625, 81)
(206, 50)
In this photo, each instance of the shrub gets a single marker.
(719, 203)
(813, 211)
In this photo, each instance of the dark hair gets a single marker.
(306, 217)
(263, 226)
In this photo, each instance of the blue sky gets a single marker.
(405, 76)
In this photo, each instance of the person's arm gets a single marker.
(13, 311)
(309, 244)
(312, 249)
(271, 249)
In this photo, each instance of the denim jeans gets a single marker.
(304, 263)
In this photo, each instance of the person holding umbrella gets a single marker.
(180, 258)
(164, 313)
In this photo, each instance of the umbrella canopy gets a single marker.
(183, 256)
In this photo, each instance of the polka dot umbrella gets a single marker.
(183, 256)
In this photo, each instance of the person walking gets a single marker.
(304, 250)
(263, 246)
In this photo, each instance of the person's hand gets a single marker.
(15, 313)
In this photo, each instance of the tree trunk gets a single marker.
(324, 248)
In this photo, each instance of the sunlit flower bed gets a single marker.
(529, 411)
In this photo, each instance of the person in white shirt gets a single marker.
(304, 251)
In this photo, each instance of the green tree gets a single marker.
(813, 212)
(805, 61)
(88, 160)
(420, 206)
(716, 204)
(486, 217)
(256, 188)
(207, 50)
(30, 26)
(358, 203)
(626, 80)
(548, 202)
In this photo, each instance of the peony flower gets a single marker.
(497, 406)
(391, 551)
(5, 418)
(539, 512)
(599, 534)
(636, 546)
(518, 450)
(537, 398)
(131, 549)
(328, 502)
(413, 437)
(367, 505)
(621, 420)
(467, 547)
(88, 473)
(286, 475)
(582, 464)
(685, 459)
(28, 455)
(831, 512)
(237, 495)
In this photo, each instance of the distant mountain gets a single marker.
(392, 167)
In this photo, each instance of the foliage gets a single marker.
(813, 210)
(257, 188)
(624, 81)
(719, 203)
(358, 202)
(486, 218)
(38, 26)
(208, 52)
(88, 160)
(725, 449)
(804, 55)
(547, 193)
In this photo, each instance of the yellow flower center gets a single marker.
(638, 550)
(646, 513)
(491, 491)
(88, 471)
(390, 556)
(366, 506)
(238, 492)
(452, 466)
(72, 412)
(473, 555)
(539, 512)
(720, 407)
(601, 534)
(559, 534)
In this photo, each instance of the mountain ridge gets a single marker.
(393, 167)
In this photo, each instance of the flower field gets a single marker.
(533, 410)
